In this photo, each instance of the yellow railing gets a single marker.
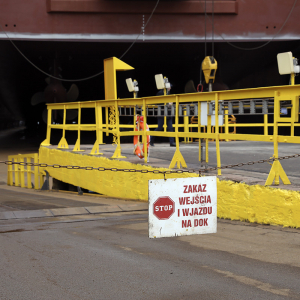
(182, 130)
(24, 175)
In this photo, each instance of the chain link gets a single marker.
(200, 171)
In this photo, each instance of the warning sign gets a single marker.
(182, 206)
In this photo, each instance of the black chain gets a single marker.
(200, 171)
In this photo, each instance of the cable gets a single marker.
(86, 78)
(265, 44)
(204, 47)
(143, 28)
(205, 26)
(212, 33)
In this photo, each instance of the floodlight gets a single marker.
(132, 85)
(160, 83)
(285, 63)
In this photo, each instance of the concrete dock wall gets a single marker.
(236, 201)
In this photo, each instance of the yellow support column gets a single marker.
(99, 116)
(206, 140)
(28, 171)
(117, 153)
(63, 142)
(22, 172)
(10, 172)
(16, 171)
(266, 124)
(99, 127)
(217, 132)
(276, 170)
(145, 131)
(186, 127)
(111, 65)
(37, 174)
(106, 120)
(226, 124)
(199, 129)
(177, 158)
(77, 145)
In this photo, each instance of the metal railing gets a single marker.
(259, 102)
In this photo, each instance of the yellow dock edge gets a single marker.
(236, 201)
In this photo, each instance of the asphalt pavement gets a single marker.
(61, 245)
(109, 256)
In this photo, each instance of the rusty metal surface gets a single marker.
(143, 7)
(253, 20)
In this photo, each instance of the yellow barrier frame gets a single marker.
(16, 172)
(279, 93)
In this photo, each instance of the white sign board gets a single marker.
(203, 116)
(182, 206)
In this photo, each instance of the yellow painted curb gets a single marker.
(130, 185)
(260, 204)
(236, 201)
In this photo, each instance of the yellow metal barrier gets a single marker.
(182, 130)
(24, 176)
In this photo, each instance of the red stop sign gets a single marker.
(163, 208)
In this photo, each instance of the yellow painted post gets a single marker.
(17, 178)
(64, 122)
(177, 157)
(275, 140)
(276, 171)
(106, 120)
(37, 174)
(63, 142)
(22, 172)
(177, 122)
(199, 129)
(134, 114)
(217, 132)
(117, 153)
(186, 126)
(266, 131)
(292, 128)
(293, 79)
(99, 113)
(77, 145)
(111, 65)
(99, 123)
(28, 172)
(226, 124)
(9, 172)
(208, 131)
(99, 126)
(145, 132)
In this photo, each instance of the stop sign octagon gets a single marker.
(163, 208)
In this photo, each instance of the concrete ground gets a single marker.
(61, 245)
